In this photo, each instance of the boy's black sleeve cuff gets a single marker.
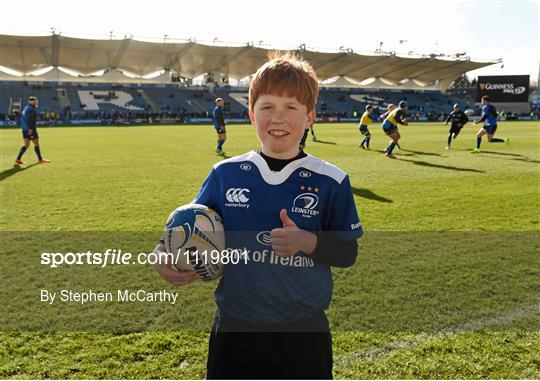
(334, 252)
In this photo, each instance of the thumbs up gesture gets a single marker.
(290, 239)
(285, 220)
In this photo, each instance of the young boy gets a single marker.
(458, 119)
(390, 126)
(299, 215)
(367, 118)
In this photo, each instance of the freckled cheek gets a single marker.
(261, 122)
(299, 124)
(264, 124)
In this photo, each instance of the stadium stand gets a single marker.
(170, 97)
(13, 97)
(102, 101)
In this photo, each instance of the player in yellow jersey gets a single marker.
(389, 108)
(390, 126)
(367, 118)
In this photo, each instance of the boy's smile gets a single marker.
(278, 132)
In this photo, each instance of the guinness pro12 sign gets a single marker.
(503, 88)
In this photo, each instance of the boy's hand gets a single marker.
(290, 239)
(175, 277)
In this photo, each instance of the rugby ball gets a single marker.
(195, 236)
(469, 112)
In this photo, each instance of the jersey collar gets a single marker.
(271, 177)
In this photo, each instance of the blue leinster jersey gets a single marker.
(489, 115)
(265, 288)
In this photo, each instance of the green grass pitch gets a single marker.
(446, 284)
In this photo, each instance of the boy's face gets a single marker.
(280, 123)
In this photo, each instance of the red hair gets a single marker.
(285, 74)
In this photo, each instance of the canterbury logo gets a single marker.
(237, 195)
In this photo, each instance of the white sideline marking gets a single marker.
(380, 351)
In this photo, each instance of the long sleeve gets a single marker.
(335, 252)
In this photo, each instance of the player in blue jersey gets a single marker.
(302, 143)
(390, 126)
(297, 219)
(219, 124)
(29, 131)
(365, 121)
(489, 117)
(312, 130)
(458, 119)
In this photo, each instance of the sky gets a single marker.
(485, 29)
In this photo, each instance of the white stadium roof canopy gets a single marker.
(190, 59)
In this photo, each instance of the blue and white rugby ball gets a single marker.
(195, 235)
